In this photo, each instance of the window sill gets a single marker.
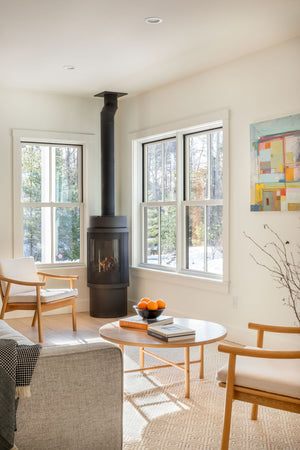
(190, 281)
(61, 266)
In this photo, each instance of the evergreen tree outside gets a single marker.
(31, 192)
(168, 235)
(152, 239)
(67, 219)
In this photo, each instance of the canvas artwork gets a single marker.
(275, 164)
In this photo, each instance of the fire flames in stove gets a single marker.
(108, 264)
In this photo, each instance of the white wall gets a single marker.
(258, 87)
(47, 112)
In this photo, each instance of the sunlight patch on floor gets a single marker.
(159, 409)
(96, 339)
(134, 422)
(151, 399)
(135, 384)
(57, 341)
(141, 410)
(129, 363)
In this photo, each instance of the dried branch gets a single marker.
(282, 267)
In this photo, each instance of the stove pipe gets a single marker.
(107, 236)
(107, 151)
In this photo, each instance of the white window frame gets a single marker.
(204, 203)
(156, 204)
(180, 274)
(48, 137)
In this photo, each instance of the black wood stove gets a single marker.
(107, 237)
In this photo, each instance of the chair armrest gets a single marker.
(61, 277)
(24, 283)
(259, 352)
(273, 328)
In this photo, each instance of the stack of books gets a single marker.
(171, 332)
(142, 324)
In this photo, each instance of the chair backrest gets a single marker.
(21, 269)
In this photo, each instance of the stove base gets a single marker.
(108, 301)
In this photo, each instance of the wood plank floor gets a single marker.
(57, 329)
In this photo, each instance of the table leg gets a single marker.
(141, 357)
(201, 361)
(187, 371)
(121, 347)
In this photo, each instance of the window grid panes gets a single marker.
(204, 202)
(160, 236)
(160, 171)
(160, 203)
(199, 157)
(52, 202)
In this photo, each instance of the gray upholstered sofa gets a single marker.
(76, 398)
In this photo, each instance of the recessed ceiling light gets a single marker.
(153, 20)
(69, 67)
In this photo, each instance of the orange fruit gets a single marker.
(144, 299)
(160, 304)
(152, 305)
(142, 305)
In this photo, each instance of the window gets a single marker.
(49, 207)
(204, 201)
(159, 203)
(179, 207)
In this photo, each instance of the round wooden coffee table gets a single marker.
(206, 333)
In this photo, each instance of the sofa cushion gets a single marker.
(21, 269)
(279, 376)
(47, 295)
(6, 332)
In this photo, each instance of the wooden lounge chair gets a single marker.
(22, 289)
(261, 377)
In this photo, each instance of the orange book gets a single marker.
(138, 322)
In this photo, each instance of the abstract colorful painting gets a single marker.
(275, 164)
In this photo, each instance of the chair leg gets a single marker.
(254, 412)
(227, 422)
(228, 402)
(2, 311)
(34, 319)
(39, 314)
(5, 300)
(40, 328)
(259, 343)
(74, 317)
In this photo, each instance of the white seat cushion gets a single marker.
(279, 376)
(47, 295)
(21, 269)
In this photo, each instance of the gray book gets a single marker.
(171, 330)
(183, 337)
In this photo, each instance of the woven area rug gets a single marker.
(158, 416)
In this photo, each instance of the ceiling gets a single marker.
(112, 48)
